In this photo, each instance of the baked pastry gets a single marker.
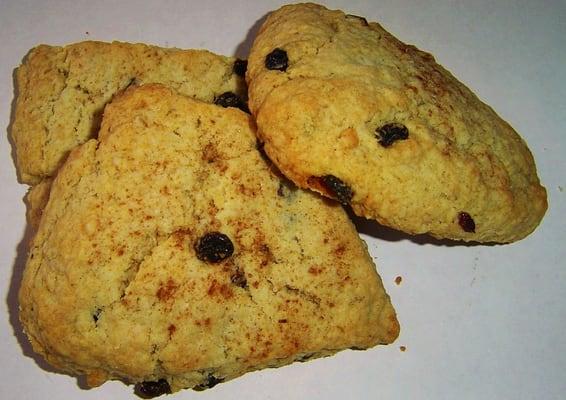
(62, 92)
(348, 110)
(172, 255)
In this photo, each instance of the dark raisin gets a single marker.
(277, 60)
(96, 314)
(214, 247)
(151, 389)
(390, 133)
(229, 99)
(466, 222)
(210, 382)
(337, 188)
(240, 67)
(362, 20)
(238, 278)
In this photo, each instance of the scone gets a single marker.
(348, 110)
(171, 254)
(62, 92)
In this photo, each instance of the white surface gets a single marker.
(478, 322)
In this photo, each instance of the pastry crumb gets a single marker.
(402, 348)
(398, 280)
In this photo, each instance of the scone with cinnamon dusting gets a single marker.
(172, 255)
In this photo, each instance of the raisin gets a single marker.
(240, 67)
(466, 222)
(390, 133)
(96, 314)
(362, 20)
(211, 381)
(277, 60)
(229, 99)
(337, 188)
(214, 247)
(238, 278)
(151, 389)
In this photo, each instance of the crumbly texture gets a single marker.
(62, 92)
(345, 80)
(114, 288)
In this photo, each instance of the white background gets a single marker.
(483, 322)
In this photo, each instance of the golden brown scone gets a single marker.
(171, 254)
(348, 110)
(62, 92)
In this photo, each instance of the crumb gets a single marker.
(87, 33)
(402, 348)
(398, 280)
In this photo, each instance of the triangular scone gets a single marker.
(348, 110)
(62, 92)
(171, 253)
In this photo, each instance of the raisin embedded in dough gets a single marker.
(240, 67)
(277, 60)
(230, 99)
(466, 222)
(214, 247)
(151, 389)
(390, 133)
(338, 188)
